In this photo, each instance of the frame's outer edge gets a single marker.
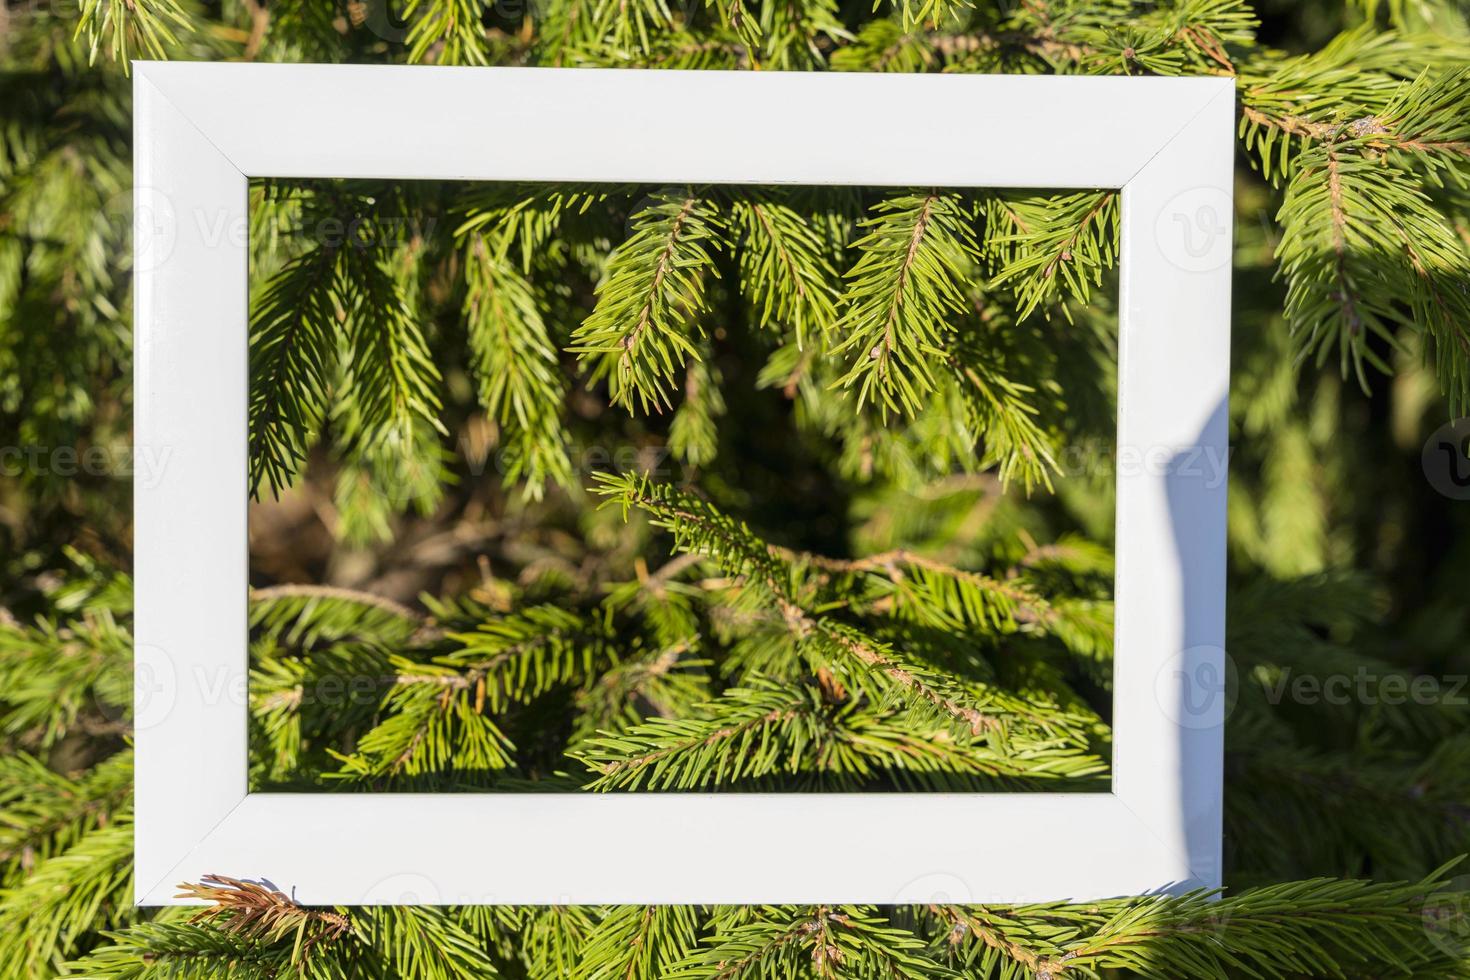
(202, 127)
(590, 124)
(1174, 378)
(190, 555)
(638, 848)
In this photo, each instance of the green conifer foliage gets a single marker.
(627, 489)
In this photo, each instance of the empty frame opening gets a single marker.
(613, 488)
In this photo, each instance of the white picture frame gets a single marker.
(202, 129)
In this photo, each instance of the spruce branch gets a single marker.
(168, 950)
(57, 905)
(293, 352)
(642, 330)
(693, 433)
(515, 658)
(515, 362)
(1188, 37)
(1430, 118)
(1209, 29)
(799, 36)
(302, 701)
(426, 943)
(807, 732)
(1320, 927)
(699, 528)
(584, 29)
(785, 273)
(637, 941)
(126, 27)
(45, 812)
(1421, 119)
(391, 381)
(433, 724)
(778, 942)
(751, 732)
(438, 716)
(530, 221)
(664, 682)
(913, 13)
(661, 600)
(554, 938)
(1364, 251)
(1345, 89)
(305, 616)
(1051, 247)
(885, 46)
(56, 679)
(1388, 811)
(383, 473)
(741, 20)
(900, 297)
(260, 911)
(446, 32)
(903, 583)
(1003, 414)
(869, 663)
(875, 667)
(934, 592)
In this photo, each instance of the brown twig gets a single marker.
(260, 19)
(1031, 608)
(298, 591)
(260, 911)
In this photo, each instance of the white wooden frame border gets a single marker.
(202, 129)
